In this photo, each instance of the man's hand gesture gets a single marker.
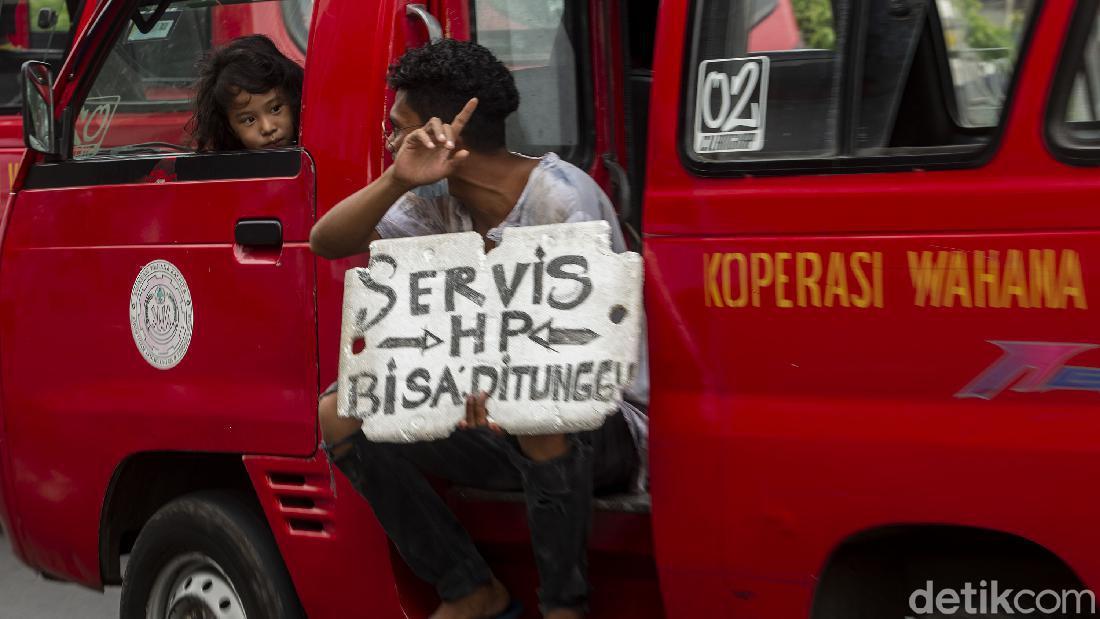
(429, 154)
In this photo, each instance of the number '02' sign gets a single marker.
(731, 105)
(548, 324)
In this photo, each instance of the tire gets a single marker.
(207, 555)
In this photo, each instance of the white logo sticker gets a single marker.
(92, 125)
(161, 315)
(731, 105)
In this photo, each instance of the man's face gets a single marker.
(262, 120)
(403, 121)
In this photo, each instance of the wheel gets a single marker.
(207, 556)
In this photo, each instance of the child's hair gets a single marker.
(439, 78)
(252, 64)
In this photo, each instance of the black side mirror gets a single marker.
(47, 19)
(39, 129)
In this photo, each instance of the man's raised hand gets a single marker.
(429, 153)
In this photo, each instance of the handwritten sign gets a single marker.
(547, 324)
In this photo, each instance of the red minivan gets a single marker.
(868, 242)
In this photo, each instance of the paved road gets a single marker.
(26, 595)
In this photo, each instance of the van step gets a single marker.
(626, 503)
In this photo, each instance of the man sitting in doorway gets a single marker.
(458, 176)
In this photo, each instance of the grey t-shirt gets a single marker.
(556, 192)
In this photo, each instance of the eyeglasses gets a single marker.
(391, 134)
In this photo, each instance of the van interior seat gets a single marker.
(539, 125)
(546, 118)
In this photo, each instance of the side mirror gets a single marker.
(761, 10)
(39, 130)
(47, 19)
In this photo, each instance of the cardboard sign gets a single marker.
(548, 324)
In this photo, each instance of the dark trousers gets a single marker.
(558, 493)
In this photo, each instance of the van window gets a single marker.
(30, 30)
(140, 101)
(1074, 119)
(540, 42)
(983, 41)
(819, 81)
(297, 15)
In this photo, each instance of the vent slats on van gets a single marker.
(304, 500)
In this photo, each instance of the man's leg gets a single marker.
(559, 473)
(424, 531)
(556, 473)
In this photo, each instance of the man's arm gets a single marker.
(348, 228)
(426, 156)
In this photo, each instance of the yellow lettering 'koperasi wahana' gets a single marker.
(1032, 278)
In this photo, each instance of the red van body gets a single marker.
(863, 366)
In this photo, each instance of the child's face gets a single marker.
(262, 120)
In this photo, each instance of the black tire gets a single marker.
(204, 537)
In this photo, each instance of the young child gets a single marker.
(248, 96)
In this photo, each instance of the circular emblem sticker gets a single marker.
(161, 316)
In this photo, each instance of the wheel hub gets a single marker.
(193, 586)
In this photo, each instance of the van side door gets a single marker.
(858, 248)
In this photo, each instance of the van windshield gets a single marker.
(31, 30)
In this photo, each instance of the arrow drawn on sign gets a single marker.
(425, 342)
(560, 337)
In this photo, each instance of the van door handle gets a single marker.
(259, 233)
(435, 31)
